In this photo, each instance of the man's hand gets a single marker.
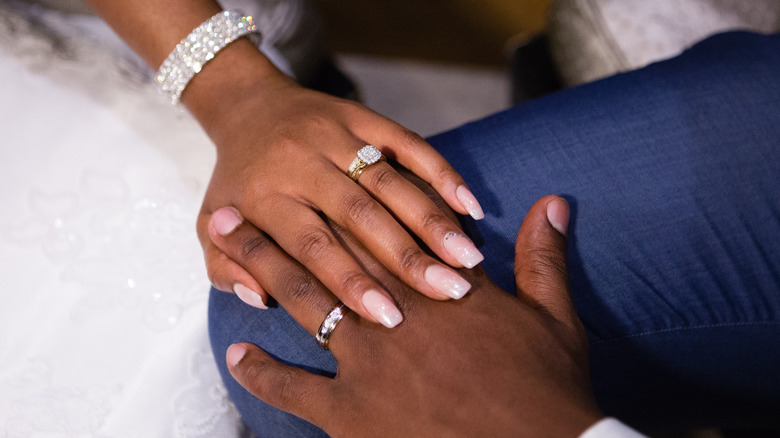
(489, 364)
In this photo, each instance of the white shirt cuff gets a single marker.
(610, 428)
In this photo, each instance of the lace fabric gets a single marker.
(103, 312)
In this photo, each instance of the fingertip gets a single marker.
(225, 220)
(446, 282)
(249, 296)
(469, 202)
(462, 249)
(235, 353)
(382, 308)
(558, 214)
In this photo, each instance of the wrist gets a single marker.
(221, 88)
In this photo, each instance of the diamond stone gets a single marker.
(369, 154)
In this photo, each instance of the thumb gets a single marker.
(288, 388)
(540, 259)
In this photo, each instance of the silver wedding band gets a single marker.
(366, 156)
(329, 324)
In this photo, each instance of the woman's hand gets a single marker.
(487, 365)
(283, 154)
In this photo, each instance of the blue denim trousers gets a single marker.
(673, 176)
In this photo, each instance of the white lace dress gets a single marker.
(103, 329)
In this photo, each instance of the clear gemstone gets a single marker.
(198, 48)
(369, 154)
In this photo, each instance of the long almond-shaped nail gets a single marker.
(464, 251)
(381, 308)
(225, 220)
(249, 296)
(469, 202)
(447, 281)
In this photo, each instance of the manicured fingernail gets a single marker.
(381, 308)
(469, 202)
(463, 250)
(446, 281)
(225, 220)
(249, 296)
(558, 215)
(235, 353)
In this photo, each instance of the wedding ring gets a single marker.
(366, 156)
(329, 324)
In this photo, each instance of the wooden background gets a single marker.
(461, 31)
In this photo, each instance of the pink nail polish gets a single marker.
(558, 215)
(225, 220)
(469, 202)
(463, 250)
(381, 308)
(235, 353)
(249, 296)
(446, 281)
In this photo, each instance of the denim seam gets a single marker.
(676, 329)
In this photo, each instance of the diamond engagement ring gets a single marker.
(329, 324)
(366, 156)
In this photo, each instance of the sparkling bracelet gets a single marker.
(200, 47)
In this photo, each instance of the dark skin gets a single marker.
(489, 364)
(282, 156)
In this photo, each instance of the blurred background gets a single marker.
(431, 65)
(454, 31)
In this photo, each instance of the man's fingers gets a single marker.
(540, 259)
(288, 388)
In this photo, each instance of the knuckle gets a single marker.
(359, 208)
(253, 247)
(409, 257)
(285, 143)
(384, 178)
(436, 223)
(444, 172)
(284, 387)
(314, 242)
(257, 192)
(354, 283)
(301, 287)
(350, 106)
(411, 139)
(253, 372)
(547, 263)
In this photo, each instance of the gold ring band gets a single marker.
(366, 156)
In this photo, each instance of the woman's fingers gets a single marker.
(419, 213)
(380, 232)
(295, 288)
(285, 387)
(304, 236)
(227, 275)
(412, 151)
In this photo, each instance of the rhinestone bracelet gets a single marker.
(200, 46)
